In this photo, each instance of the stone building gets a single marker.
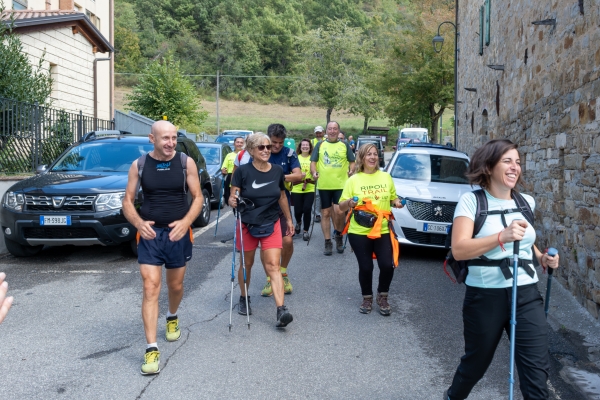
(75, 38)
(529, 71)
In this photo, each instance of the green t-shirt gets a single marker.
(333, 160)
(378, 187)
(305, 167)
(228, 162)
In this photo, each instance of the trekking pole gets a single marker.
(354, 199)
(314, 213)
(239, 217)
(551, 252)
(220, 201)
(232, 274)
(513, 321)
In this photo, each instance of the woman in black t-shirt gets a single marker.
(262, 183)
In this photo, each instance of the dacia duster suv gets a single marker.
(77, 200)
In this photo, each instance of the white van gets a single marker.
(417, 135)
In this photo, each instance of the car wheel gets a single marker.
(134, 247)
(204, 217)
(21, 250)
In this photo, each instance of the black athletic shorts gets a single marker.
(161, 250)
(329, 197)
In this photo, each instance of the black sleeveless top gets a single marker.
(164, 187)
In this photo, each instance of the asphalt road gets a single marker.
(75, 330)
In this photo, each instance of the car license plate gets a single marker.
(55, 220)
(436, 228)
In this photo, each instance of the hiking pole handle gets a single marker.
(551, 252)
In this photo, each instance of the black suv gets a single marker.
(77, 200)
(377, 141)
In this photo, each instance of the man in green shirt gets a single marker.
(332, 162)
(317, 139)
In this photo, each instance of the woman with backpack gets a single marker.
(303, 193)
(369, 194)
(496, 168)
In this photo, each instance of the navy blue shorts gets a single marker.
(161, 250)
(329, 197)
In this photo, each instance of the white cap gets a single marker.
(319, 129)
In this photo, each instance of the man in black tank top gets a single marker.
(164, 230)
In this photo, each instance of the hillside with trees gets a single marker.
(364, 57)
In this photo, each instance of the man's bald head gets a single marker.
(162, 126)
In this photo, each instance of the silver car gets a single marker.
(431, 178)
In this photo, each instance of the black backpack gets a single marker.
(460, 269)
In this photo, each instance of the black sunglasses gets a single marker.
(261, 147)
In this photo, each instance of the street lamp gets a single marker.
(439, 39)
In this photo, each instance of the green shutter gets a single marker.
(481, 33)
(487, 21)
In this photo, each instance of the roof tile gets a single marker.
(26, 14)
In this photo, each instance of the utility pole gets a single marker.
(218, 131)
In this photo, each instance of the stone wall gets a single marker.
(547, 100)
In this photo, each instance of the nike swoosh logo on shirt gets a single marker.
(259, 185)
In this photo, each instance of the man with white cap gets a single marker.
(319, 133)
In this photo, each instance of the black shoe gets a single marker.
(328, 247)
(297, 228)
(318, 218)
(339, 242)
(242, 306)
(283, 317)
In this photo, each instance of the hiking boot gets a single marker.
(318, 218)
(173, 333)
(305, 236)
(151, 358)
(384, 306)
(366, 305)
(328, 247)
(242, 306)
(267, 290)
(287, 285)
(339, 242)
(297, 228)
(283, 317)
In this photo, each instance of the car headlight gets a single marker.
(14, 201)
(109, 201)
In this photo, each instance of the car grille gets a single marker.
(71, 203)
(59, 232)
(415, 236)
(431, 212)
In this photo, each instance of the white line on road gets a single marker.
(207, 227)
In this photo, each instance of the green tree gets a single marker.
(365, 98)
(163, 90)
(19, 80)
(418, 81)
(332, 59)
(127, 42)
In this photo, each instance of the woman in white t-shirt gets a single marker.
(495, 167)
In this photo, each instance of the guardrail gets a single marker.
(31, 134)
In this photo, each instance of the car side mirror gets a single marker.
(41, 169)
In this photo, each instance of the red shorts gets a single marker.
(272, 241)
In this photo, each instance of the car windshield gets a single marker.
(102, 156)
(211, 154)
(412, 135)
(225, 139)
(430, 167)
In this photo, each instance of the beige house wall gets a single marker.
(101, 9)
(547, 100)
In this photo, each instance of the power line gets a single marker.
(230, 76)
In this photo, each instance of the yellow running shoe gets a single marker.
(287, 285)
(267, 290)
(151, 358)
(173, 333)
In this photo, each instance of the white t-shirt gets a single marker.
(492, 277)
(246, 157)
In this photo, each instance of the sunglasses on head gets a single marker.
(261, 147)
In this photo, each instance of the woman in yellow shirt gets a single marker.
(303, 193)
(369, 226)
